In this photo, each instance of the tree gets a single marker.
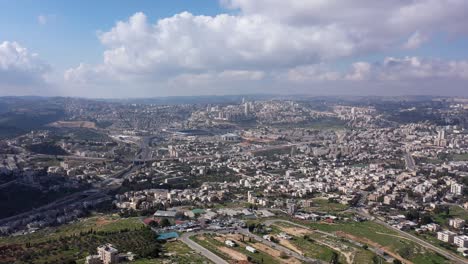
(334, 258)
(396, 261)
(412, 215)
(154, 224)
(376, 260)
(164, 222)
(426, 219)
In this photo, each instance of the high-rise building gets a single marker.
(440, 141)
(456, 189)
(108, 254)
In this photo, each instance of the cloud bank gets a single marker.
(21, 72)
(275, 46)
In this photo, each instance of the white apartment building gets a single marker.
(446, 236)
(461, 241)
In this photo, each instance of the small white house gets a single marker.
(230, 243)
(250, 249)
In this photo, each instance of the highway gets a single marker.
(410, 165)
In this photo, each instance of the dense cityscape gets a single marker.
(310, 180)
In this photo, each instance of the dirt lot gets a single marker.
(259, 246)
(233, 254)
(72, 124)
(275, 253)
(287, 244)
(295, 231)
(102, 221)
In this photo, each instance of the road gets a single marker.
(410, 165)
(197, 248)
(451, 256)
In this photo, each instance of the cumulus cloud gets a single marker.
(415, 41)
(289, 39)
(316, 72)
(42, 19)
(186, 43)
(19, 68)
(389, 69)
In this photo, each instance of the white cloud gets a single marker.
(186, 43)
(389, 69)
(316, 72)
(21, 72)
(42, 19)
(289, 39)
(360, 71)
(415, 41)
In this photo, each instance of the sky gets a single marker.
(151, 48)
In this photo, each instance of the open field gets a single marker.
(383, 238)
(175, 252)
(460, 157)
(102, 223)
(323, 205)
(73, 124)
(316, 245)
(265, 254)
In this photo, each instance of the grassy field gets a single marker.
(460, 157)
(323, 205)
(454, 212)
(313, 249)
(73, 242)
(313, 246)
(175, 252)
(384, 237)
(99, 223)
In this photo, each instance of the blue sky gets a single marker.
(158, 48)
(70, 32)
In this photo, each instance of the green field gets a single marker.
(72, 243)
(175, 252)
(323, 205)
(101, 223)
(313, 247)
(454, 212)
(384, 237)
(460, 157)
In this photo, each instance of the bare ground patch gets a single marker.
(74, 124)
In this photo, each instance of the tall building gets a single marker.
(108, 254)
(446, 236)
(456, 189)
(292, 208)
(440, 141)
